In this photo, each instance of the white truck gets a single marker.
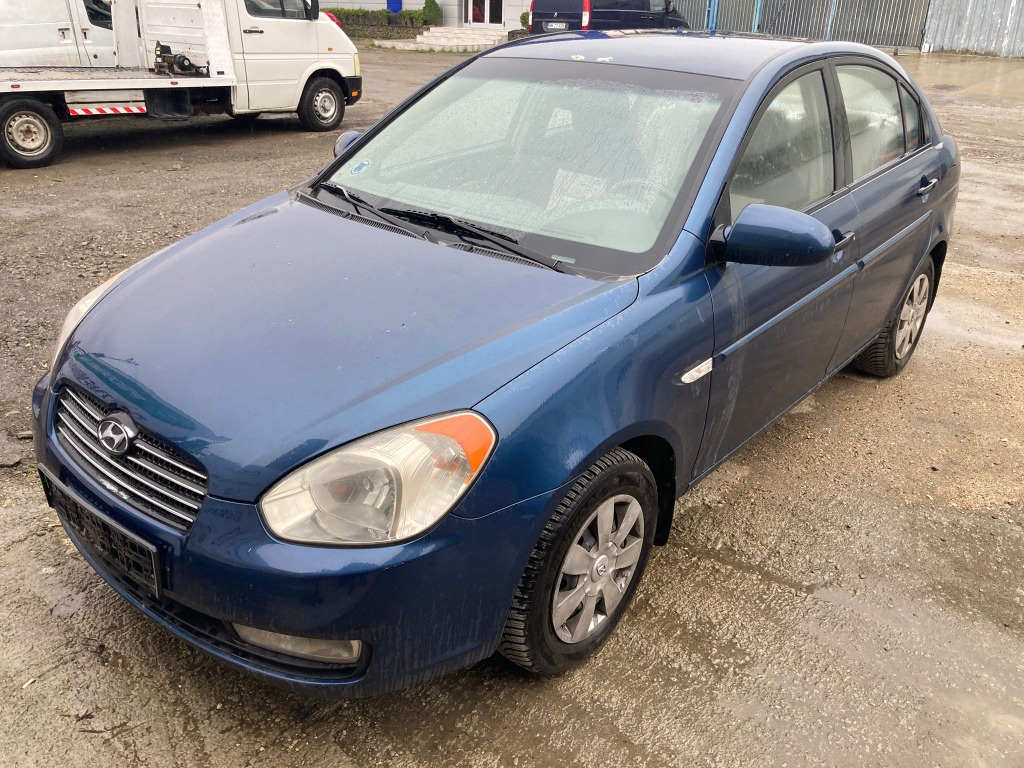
(64, 60)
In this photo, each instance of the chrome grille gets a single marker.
(152, 476)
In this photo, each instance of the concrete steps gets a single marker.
(461, 39)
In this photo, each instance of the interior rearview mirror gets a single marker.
(344, 141)
(771, 236)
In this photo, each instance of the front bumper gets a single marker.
(353, 89)
(421, 608)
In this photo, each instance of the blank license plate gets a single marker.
(131, 556)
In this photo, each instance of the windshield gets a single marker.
(581, 161)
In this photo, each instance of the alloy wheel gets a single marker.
(598, 568)
(912, 316)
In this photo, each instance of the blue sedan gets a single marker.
(439, 401)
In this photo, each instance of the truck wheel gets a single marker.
(322, 105)
(585, 567)
(31, 136)
(891, 351)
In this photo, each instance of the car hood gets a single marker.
(284, 331)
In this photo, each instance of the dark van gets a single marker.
(563, 15)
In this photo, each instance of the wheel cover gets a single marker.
(912, 315)
(27, 134)
(598, 568)
(325, 105)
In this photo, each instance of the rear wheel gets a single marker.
(891, 351)
(585, 568)
(31, 136)
(322, 105)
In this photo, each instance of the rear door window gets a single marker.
(98, 12)
(875, 116)
(788, 161)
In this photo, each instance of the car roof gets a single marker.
(732, 55)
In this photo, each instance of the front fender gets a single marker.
(618, 382)
(342, 66)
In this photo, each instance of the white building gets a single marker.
(487, 14)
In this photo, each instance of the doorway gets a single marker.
(484, 12)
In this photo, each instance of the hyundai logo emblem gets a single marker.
(116, 433)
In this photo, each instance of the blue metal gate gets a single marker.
(887, 23)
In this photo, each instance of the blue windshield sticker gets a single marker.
(361, 166)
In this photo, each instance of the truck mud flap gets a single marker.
(169, 104)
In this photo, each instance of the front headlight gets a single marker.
(80, 310)
(383, 488)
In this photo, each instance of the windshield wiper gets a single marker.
(360, 204)
(462, 228)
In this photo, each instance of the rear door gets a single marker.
(893, 166)
(557, 15)
(776, 328)
(279, 45)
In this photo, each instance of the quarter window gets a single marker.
(788, 160)
(874, 115)
(912, 120)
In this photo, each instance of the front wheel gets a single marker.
(891, 351)
(585, 568)
(322, 105)
(31, 136)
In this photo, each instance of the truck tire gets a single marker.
(31, 135)
(322, 105)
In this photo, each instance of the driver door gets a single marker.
(279, 44)
(776, 328)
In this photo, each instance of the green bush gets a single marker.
(409, 18)
(524, 19)
(360, 17)
(432, 15)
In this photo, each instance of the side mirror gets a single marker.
(344, 141)
(313, 10)
(774, 237)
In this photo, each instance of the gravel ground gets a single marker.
(845, 591)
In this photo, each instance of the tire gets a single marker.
(619, 483)
(31, 136)
(322, 105)
(892, 350)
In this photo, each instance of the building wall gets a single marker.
(994, 27)
(452, 9)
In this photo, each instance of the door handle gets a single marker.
(252, 31)
(63, 32)
(925, 188)
(845, 241)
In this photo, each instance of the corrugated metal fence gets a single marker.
(976, 26)
(875, 22)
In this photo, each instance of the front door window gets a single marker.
(484, 11)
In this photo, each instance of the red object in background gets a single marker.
(332, 17)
